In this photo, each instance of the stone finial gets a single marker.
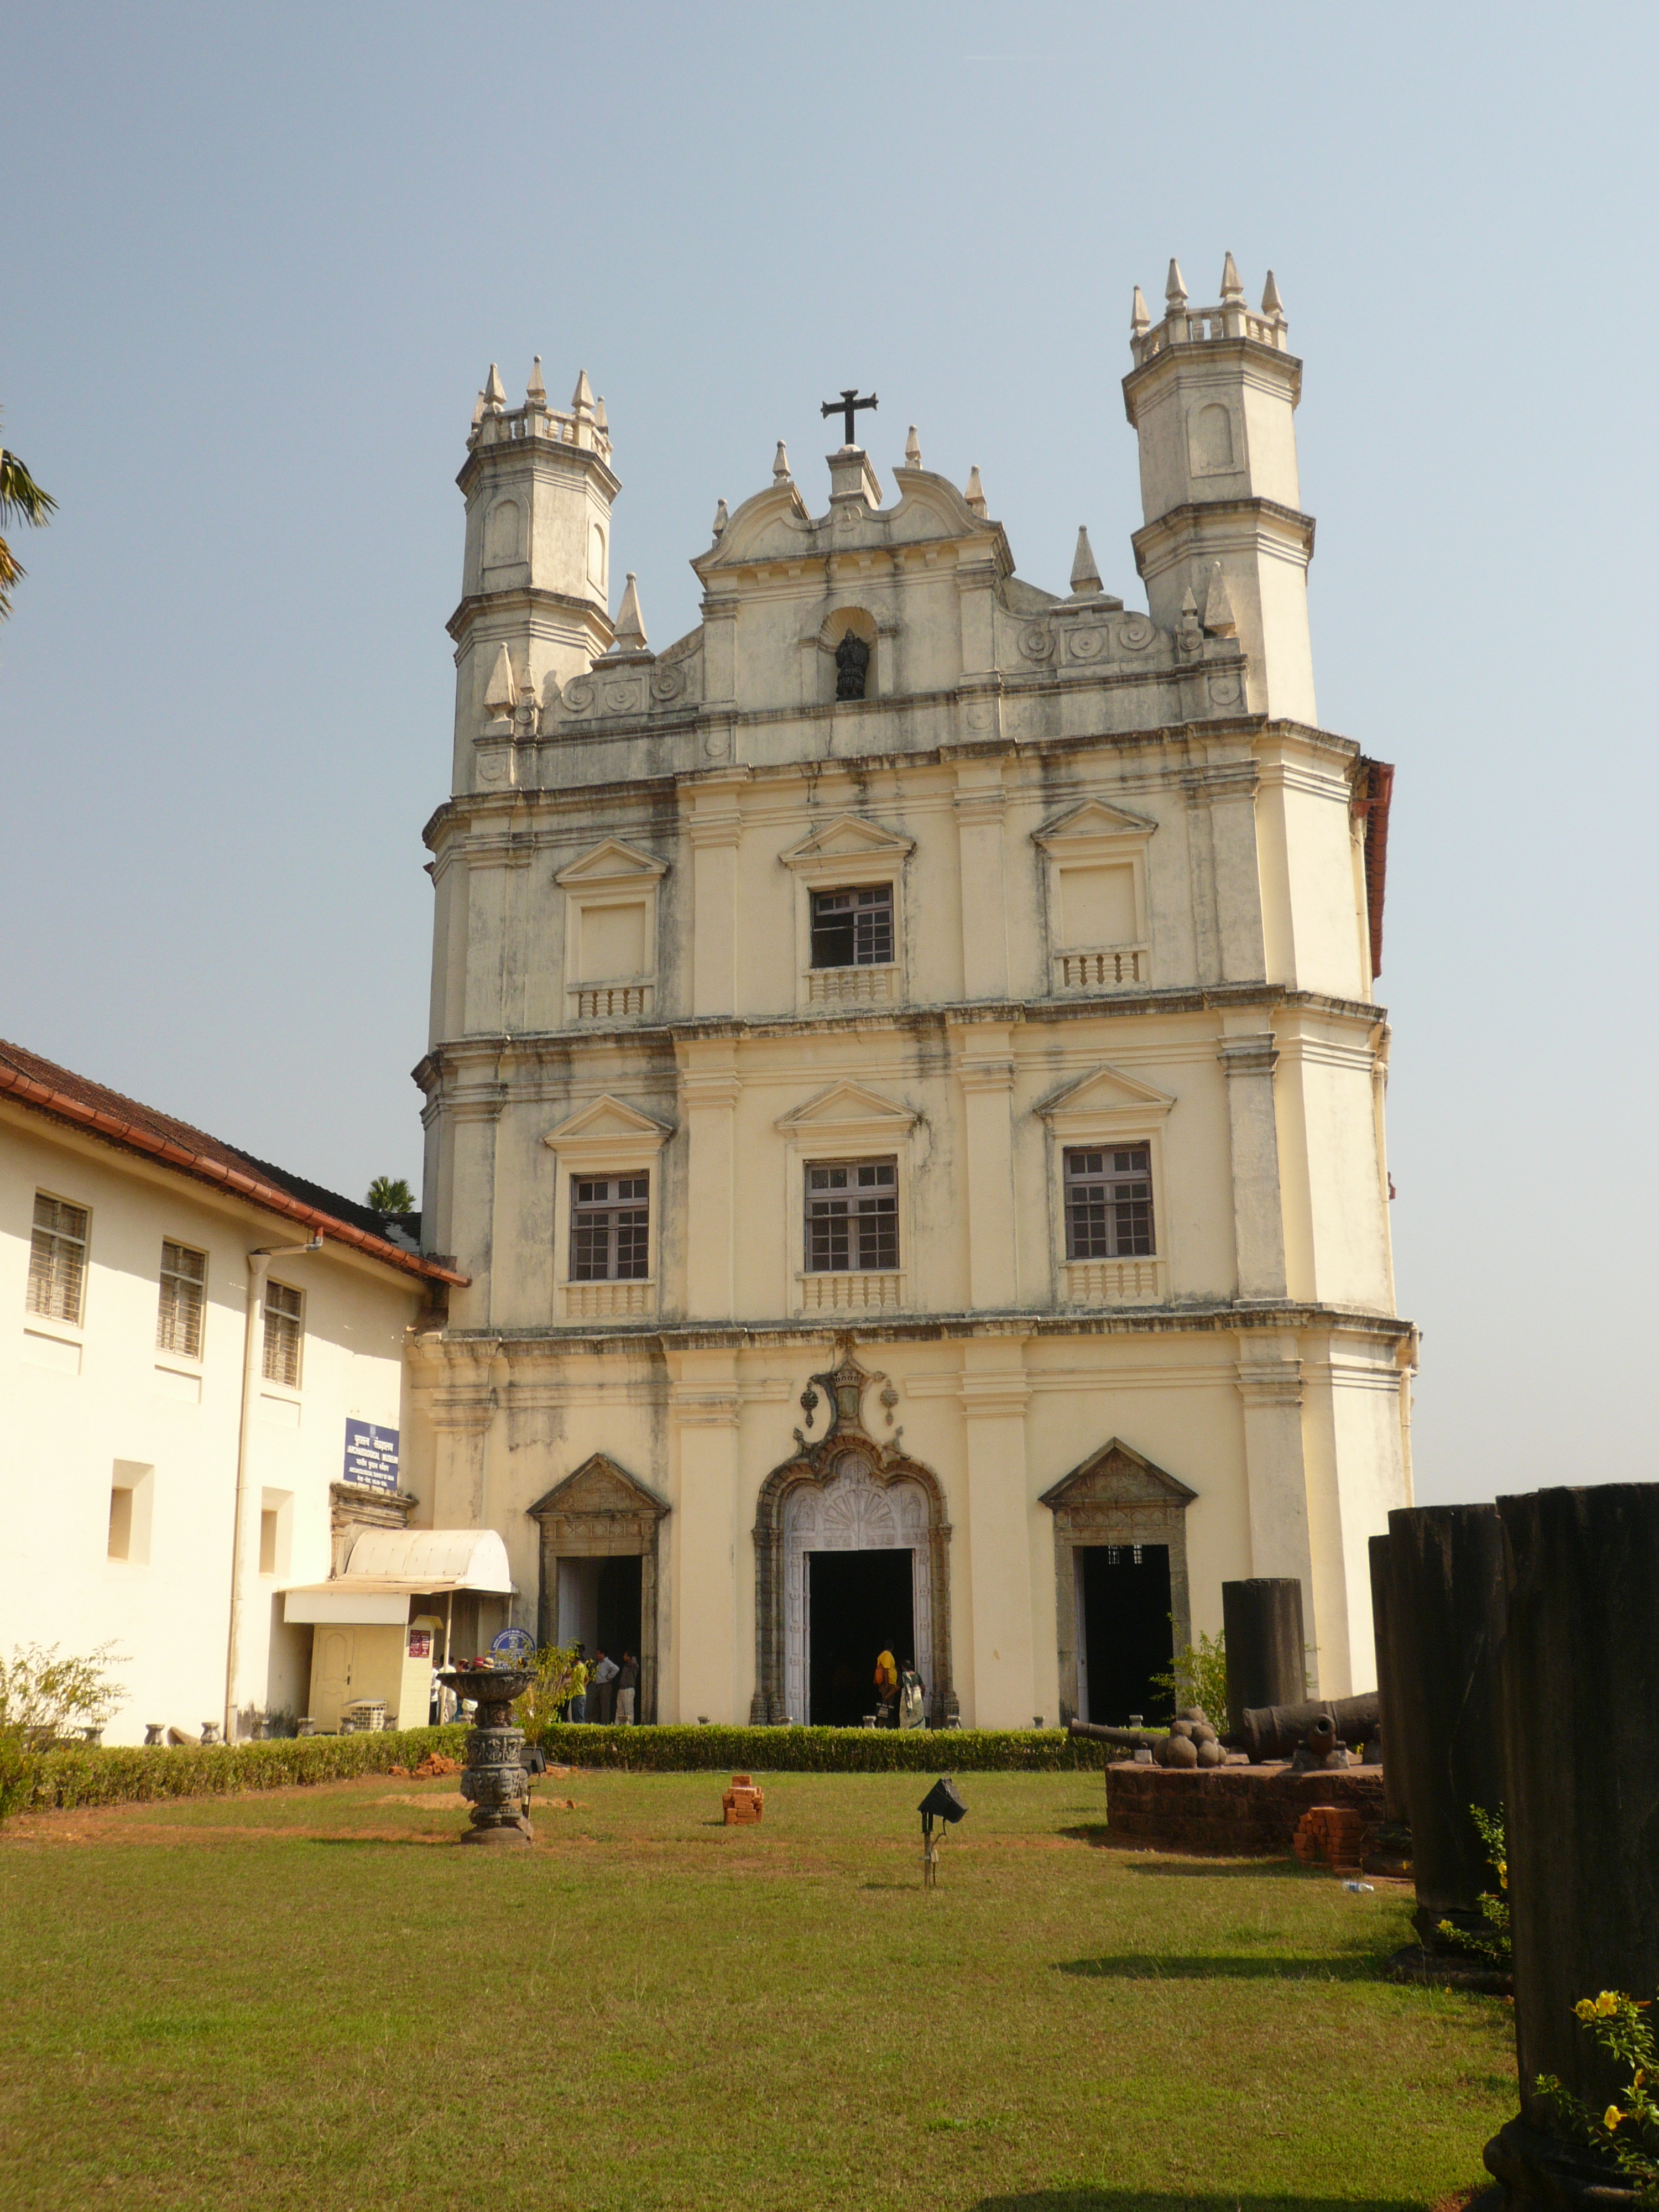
(536, 391)
(1271, 304)
(1085, 576)
(975, 494)
(1139, 321)
(581, 401)
(495, 391)
(721, 517)
(630, 625)
(1174, 291)
(1218, 607)
(1232, 290)
(913, 450)
(477, 411)
(600, 420)
(501, 691)
(780, 463)
(1189, 633)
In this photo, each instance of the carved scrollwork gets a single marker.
(667, 683)
(579, 694)
(1087, 644)
(1135, 633)
(1036, 642)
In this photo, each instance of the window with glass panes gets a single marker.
(853, 928)
(58, 1258)
(1108, 1202)
(852, 1216)
(610, 1228)
(183, 1301)
(284, 1333)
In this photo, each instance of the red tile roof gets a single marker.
(62, 1095)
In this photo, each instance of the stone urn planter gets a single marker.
(495, 1780)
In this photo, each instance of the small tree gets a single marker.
(42, 1697)
(1198, 1676)
(537, 1710)
(390, 1194)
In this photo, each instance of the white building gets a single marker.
(935, 1002)
(184, 1327)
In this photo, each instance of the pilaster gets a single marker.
(985, 1072)
(1248, 1056)
(1275, 1471)
(702, 1677)
(714, 833)
(982, 803)
(994, 1394)
(709, 1090)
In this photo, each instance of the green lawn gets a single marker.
(314, 1998)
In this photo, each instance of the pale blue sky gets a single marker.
(257, 261)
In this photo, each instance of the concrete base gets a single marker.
(510, 1832)
(1235, 1812)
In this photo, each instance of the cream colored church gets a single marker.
(905, 1086)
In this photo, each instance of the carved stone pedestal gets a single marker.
(494, 1781)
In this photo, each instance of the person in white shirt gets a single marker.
(605, 1671)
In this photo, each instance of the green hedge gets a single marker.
(128, 1775)
(124, 1774)
(820, 1750)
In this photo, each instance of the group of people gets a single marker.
(901, 1700)
(603, 1691)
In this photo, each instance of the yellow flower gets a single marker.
(1607, 2004)
(1585, 2007)
(1610, 2117)
(1503, 1873)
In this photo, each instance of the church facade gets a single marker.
(905, 1085)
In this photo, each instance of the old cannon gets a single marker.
(1268, 1732)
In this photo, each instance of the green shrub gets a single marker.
(120, 1774)
(1628, 2133)
(679, 1750)
(538, 1711)
(1491, 1942)
(1198, 1676)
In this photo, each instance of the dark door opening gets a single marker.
(1127, 1635)
(619, 1606)
(862, 1603)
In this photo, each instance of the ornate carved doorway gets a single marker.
(847, 1491)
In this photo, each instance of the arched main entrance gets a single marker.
(832, 1527)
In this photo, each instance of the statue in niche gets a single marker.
(852, 667)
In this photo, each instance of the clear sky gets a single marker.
(257, 262)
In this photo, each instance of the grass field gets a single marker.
(314, 1998)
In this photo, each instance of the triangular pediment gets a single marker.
(608, 1117)
(845, 1102)
(599, 1485)
(1117, 1474)
(1094, 818)
(1108, 1090)
(611, 862)
(848, 837)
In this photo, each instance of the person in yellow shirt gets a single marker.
(886, 1687)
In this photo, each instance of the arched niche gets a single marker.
(845, 1491)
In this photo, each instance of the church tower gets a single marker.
(905, 1085)
(536, 573)
(1212, 397)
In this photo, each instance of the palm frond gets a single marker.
(21, 499)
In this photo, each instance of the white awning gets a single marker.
(388, 1566)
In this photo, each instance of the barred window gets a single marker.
(1108, 1203)
(184, 1300)
(852, 1216)
(58, 1258)
(284, 1335)
(853, 928)
(610, 1229)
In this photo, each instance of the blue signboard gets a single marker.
(515, 1644)
(371, 1456)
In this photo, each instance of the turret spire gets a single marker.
(581, 401)
(630, 626)
(1271, 304)
(536, 392)
(495, 391)
(1232, 290)
(1174, 291)
(722, 516)
(913, 450)
(1139, 320)
(975, 493)
(780, 463)
(1085, 576)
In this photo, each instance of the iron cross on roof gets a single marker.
(848, 405)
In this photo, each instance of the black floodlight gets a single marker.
(942, 1804)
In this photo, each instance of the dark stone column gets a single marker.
(1387, 1693)
(1581, 1768)
(1267, 1652)
(1446, 1588)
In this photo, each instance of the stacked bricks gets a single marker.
(1233, 1811)
(1336, 1833)
(743, 1803)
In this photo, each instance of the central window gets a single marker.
(852, 1216)
(853, 928)
(610, 1229)
(1108, 1202)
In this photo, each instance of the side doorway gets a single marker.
(1126, 1637)
(1121, 1601)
